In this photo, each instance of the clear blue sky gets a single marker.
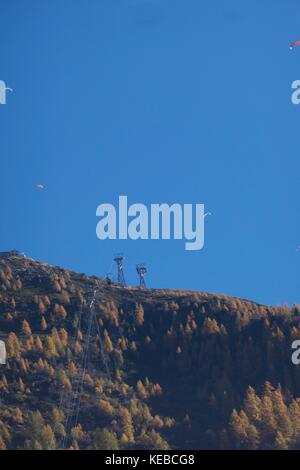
(164, 101)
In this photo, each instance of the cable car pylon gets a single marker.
(141, 269)
(119, 259)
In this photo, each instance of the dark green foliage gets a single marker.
(105, 440)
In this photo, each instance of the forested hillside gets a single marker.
(93, 366)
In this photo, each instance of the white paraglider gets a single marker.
(40, 186)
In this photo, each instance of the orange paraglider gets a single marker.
(295, 44)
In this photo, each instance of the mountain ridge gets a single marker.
(144, 368)
(128, 289)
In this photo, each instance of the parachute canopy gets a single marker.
(295, 44)
(40, 186)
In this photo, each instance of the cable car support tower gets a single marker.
(119, 259)
(142, 270)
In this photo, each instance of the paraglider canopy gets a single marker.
(40, 186)
(295, 44)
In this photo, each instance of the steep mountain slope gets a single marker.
(97, 366)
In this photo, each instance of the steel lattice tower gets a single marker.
(71, 398)
(141, 270)
(119, 258)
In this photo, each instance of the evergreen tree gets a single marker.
(105, 440)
